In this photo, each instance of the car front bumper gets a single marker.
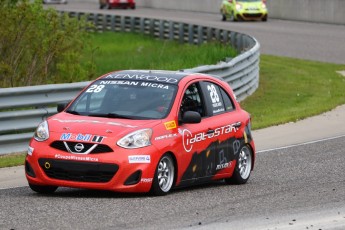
(251, 15)
(47, 166)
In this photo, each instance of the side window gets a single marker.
(192, 101)
(218, 100)
(229, 105)
(215, 98)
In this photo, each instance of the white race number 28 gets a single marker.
(95, 89)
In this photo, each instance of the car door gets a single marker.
(222, 127)
(197, 163)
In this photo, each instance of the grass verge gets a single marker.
(118, 51)
(12, 160)
(292, 89)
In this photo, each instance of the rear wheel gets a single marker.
(43, 189)
(164, 176)
(243, 167)
(223, 17)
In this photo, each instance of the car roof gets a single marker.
(157, 76)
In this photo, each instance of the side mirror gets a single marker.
(191, 117)
(62, 106)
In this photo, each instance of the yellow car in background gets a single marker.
(235, 10)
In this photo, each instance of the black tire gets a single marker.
(244, 163)
(43, 189)
(264, 19)
(232, 17)
(223, 17)
(164, 177)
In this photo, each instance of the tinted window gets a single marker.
(192, 100)
(227, 100)
(215, 98)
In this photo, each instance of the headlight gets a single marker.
(238, 6)
(137, 139)
(263, 5)
(42, 132)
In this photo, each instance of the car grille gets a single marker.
(99, 148)
(252, 8)
(78, 171)
(258, 15)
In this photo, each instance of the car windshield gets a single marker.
(125, 99)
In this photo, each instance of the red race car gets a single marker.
(143, 131)
(109, 4)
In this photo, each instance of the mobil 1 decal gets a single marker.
(81, 137)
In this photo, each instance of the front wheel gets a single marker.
(164, 176)
(232, 17)
(106, 6)
(43, 189)
(243, 167)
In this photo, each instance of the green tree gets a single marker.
(39, 45)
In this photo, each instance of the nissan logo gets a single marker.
(79, 147)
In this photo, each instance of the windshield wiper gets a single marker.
(109, 115)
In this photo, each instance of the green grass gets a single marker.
(289, 90)
(292, 89)
(12, 160)
(118, 51)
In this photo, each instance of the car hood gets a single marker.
(69, 123)
(246, 5)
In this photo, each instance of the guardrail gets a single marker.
(22, 108)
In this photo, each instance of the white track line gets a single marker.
(19, 186)
(305, 143)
